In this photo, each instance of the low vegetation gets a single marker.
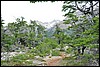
(80, 41)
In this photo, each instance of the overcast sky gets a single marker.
(44, 12)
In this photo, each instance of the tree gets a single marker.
(57, 34)
(2, 22)
(2, 32)
(86, 7)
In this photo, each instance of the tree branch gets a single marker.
(84, 5)
(85, 12)
(94, 4)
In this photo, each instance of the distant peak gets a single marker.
(48, 24)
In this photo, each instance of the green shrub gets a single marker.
(44, 48)
(23, 57)
(55, 53)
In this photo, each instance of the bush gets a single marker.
(55, 53)
(23, 57)
(44, 48)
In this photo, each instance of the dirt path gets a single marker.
(55, 60)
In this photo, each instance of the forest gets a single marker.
(31, 44)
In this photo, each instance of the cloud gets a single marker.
(44, 12)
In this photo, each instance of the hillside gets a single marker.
(71, 42)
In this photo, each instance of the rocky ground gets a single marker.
(48, 60)
(38, 61)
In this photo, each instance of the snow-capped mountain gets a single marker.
(48, 25)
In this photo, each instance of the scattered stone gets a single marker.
(36, 62)
(6, 55)
(66, 47)
(38, 57)
(56, 49)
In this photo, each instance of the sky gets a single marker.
(44, 12)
